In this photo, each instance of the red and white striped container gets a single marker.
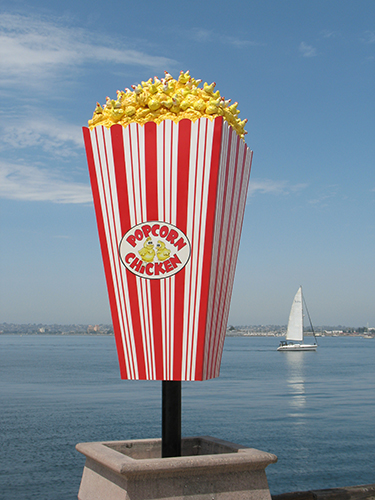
(169, 202)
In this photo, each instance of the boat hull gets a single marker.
(297, 347)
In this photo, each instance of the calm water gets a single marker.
(315, 411)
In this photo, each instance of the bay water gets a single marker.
(314, 410)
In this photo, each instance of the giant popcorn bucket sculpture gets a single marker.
(169, 173)
(169, 197)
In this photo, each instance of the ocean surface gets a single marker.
(315, 411)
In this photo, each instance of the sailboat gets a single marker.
(294, 334)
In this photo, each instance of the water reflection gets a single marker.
(296, 385)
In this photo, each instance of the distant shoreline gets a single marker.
(306, 334)
(243, 331)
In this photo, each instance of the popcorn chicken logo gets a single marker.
(154, 250)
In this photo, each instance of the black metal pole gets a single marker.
(171, 419)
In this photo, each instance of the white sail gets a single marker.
(295, 324)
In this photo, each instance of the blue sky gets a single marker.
(303, 74)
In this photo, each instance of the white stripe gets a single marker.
(160, 168)
(121, 273)
(143, 326)
(240, 190)
(163, 328)
(142, 172)
(233, 221)
(135, 211)
(216, 238)
(236, 243)
(206, 171)
(135, 166)
(105, 197)
(147, 303)
(160, 129)
(167, 218)
(189, 233)
(152, 333)
(226, 203)
(172, 281)
(167, 170)
(196, 236)
(129, 175)
(146, 326)
(197, 214)
(232, 224)
(225, 238)
(160, 195)
(167, 314)
(174, 168)
(115, 226)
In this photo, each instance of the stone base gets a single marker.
(209, 469)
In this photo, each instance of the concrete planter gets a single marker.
(209, 469)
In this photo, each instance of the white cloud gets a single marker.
(31, 183)
(35, 51)
(307, 50)
(328, 34)
(368, 37)
(239, 43)
(268, 186)
(202, 35)
(47, 132)
(325, 195)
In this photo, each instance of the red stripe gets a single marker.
(122, 171)
(103, 246)
(150, 130)
(123, 201)
(223, 289)
(113, 236)
(183, 157)
(195, 242)
(108, 202)
(197, 204)
(142, 286)
(164, 163)
(208, 244)
(129, 168)
(122, 196)
(119, 163)
(224, 236)
(218, 279)
(228, 246)
(240, 216)
(244, 182)
(132, 282)
(245, 175)
(170, 333)
(122, 188)
(227, 289)
(151, 170)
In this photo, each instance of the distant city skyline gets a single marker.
(303, 75)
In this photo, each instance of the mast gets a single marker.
(311, 325)
(302, 299)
